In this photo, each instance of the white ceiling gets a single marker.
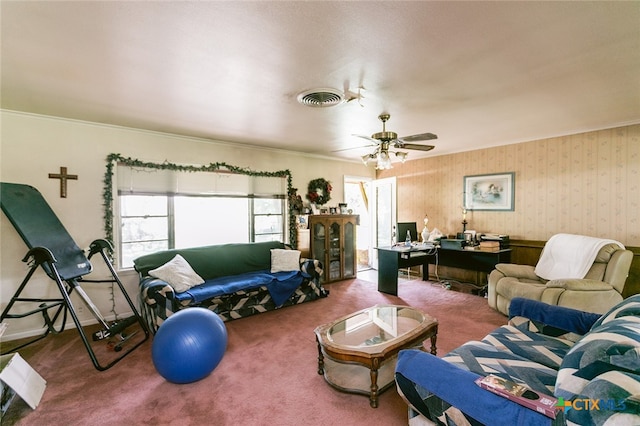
(478, 74)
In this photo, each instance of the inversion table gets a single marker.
(51, 247)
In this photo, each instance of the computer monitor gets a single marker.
(403, 227)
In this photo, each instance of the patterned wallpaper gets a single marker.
(587, 183)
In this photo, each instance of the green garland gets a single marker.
(113, 159)
(319, 198)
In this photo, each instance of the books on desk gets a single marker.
(489, 245)
(500, 239)
(413, 247)
(414, 250)
(425, 246)
(494, 237)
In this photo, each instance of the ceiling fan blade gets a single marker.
(354, 147)
(376, 141)
(415, 146)
(420, 137)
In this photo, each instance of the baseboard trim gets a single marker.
(69, 325)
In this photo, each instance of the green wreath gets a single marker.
(319, 191)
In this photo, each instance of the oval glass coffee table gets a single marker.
(357, 353)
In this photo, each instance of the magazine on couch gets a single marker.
(519, 393)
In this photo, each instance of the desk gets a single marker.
(390, 259)
(476, 260)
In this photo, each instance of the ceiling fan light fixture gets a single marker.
(402, 155)
(386, 140)
(384, 161)
(367, 158)
(384, 164)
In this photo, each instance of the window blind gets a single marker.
(157, 181)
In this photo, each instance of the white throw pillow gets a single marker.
(178, 273)
(285, 260)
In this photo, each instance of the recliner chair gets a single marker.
(600, 289)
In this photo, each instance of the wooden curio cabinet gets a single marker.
(333, 242)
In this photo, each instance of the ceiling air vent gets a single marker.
(321, 98)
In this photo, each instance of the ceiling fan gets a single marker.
(385, 140)
(392, 138)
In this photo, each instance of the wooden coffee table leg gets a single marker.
(433, 344)
(373, 398)
(320, 359)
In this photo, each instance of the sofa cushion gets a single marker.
(215, 261)
(178, 274)
(285, 260)
(428, 381)
(551, 317)
(483, 358)
(613, 346)
(599, 267)
(281, 285)
(616, 393)
(537, 347)
(629, 307)
(511, 288)
(225, 285)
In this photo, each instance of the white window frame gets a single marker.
(170, 219)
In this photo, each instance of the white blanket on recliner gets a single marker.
(569, 256)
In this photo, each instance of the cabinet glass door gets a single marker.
(349, 249)
(319, 247)
(335, 252)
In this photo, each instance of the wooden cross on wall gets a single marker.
(63, 176)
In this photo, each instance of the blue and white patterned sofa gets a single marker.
(590, 363)
(238, 281)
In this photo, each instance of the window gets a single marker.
(268, 219)
(164, 210)
(144, 226)
(151, 223)
(203, 221)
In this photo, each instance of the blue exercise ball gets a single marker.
(189, 345)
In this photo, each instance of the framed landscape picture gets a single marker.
(489, 192)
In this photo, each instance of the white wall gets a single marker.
(33, 146)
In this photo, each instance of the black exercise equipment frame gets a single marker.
(40, 224)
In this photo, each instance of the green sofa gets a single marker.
(238, 282)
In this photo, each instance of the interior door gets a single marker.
(357, 195)
(384, 208)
